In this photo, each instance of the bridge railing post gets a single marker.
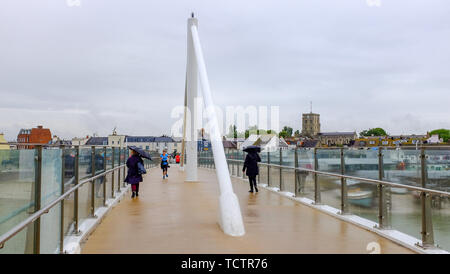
(296, 172)
(124, 171)
(61, 224)
(104, 177)
(281, 169)
(344, 190)
(383, 204)
(93, 182)
(268, 168)
(37, 200)
(427, 223)
(76, 218)
(113, 174)
(238, 166)
(243, 159)
(118, 171)
(317, 194)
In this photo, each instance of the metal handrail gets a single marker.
(58, 145)
(19, 227)
(409, 147)
(372, 181)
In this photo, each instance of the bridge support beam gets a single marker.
(230, 218)
(191, 117)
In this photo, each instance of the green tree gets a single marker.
(288, 131)
(373, 131)
(232, 131)
(255, 130)
(297, 133)
(443, 133)
(283, 134)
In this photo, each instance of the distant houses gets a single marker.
(328, 139)
(153, 143)
(3, 143)
(267, 142)
(37, 135)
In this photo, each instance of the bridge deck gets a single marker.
(171, 216)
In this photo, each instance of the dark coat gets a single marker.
(133, 176)
(251, 164)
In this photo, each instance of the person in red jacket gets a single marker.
(177, 158)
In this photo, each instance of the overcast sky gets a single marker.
(80, 69)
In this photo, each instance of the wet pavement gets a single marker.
(171, 216)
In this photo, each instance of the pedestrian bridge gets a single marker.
(173, 216)
(313, 200)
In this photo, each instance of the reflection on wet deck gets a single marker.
(171, 216)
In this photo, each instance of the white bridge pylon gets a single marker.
(230, 218)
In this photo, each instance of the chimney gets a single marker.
(39, 127)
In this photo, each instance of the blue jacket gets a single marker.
(133, 176)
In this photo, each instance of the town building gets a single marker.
(309, 143)
(76, 141)
(177, 143)
(153, 143)
(294, 142)
(38, 135)
(434, 139)
(237, 141)
(330, 139)
(267, 142)
(97, 141)
(3, 143)
(115, 140)
(60, 142)
(310, 124)
(391, 141)
(4, 150)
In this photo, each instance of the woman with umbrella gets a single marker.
(251, 165)
(136, 168)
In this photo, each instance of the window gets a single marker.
(372, 142)
(113, 142)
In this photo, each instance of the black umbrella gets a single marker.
(252, 149)
(141, 152)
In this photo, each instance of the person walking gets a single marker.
(251, 168)
(134, 175)
(164, 163)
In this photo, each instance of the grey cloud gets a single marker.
(122, 63)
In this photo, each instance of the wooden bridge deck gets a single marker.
(171, 216)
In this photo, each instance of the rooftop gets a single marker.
(336, 133)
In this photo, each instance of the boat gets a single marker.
(399, 190)
(360, 197)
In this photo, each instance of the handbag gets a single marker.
(141, 168)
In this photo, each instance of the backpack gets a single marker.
(141, 168)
